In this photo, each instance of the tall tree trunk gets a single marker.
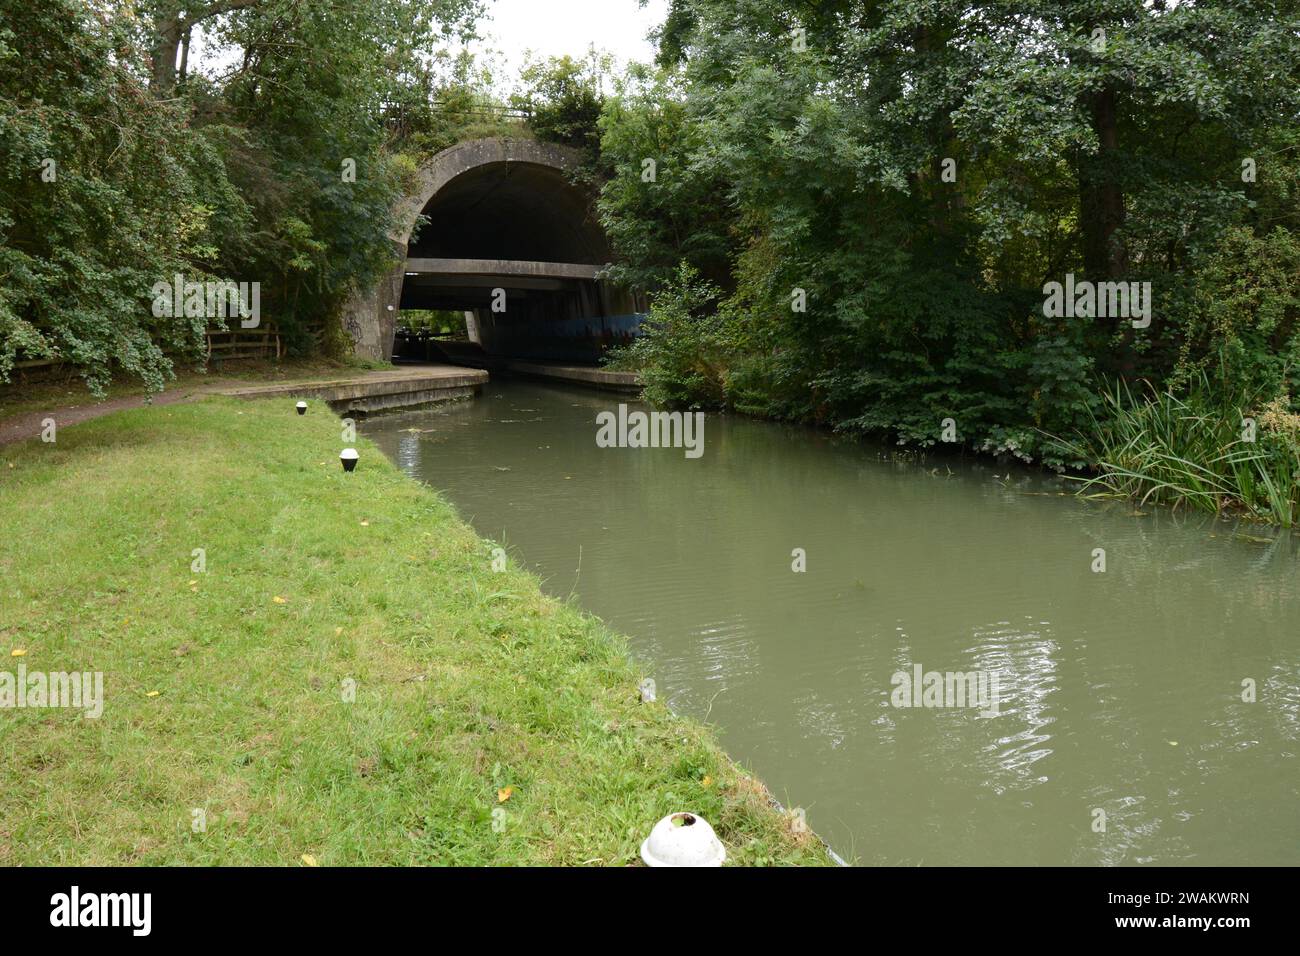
(1101, 197)
(172, 28)
(945, 198)
(166, 43)
(1101, 214)
(185, 53)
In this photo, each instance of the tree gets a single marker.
(562, 98)
(920, 169)
(171, 24)
(281, 172)
(658, 207)
(104, 191)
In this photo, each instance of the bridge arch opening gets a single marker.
(510, 211)
(511, 242)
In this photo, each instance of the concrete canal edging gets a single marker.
(415, 386)
(578, 375)
(381, 390)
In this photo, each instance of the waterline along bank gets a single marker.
(306, 666)
(963, 665)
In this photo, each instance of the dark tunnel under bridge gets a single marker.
(513, 244)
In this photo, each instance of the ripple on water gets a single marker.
(1118, 691)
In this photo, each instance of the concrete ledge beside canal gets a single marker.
(578, 375)
(379, 390)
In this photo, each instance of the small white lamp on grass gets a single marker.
(349, 458)
(683, 839)
(302, 408)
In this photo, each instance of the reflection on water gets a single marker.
(1119, 692)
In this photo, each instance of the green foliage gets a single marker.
(1244, 326)
(660, 216)
(683, 350)
(437, 111)
(562, 98)
(1193, 449)
(920, 170)
(313, 94)
(438, 321)
(244, 177)
(103, 192)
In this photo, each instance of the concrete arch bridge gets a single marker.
(506, 227)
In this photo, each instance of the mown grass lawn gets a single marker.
(225, 689)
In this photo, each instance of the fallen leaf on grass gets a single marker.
(504, 794)
(18, 652)
(153, 693)
(279, 600)
(309, 860)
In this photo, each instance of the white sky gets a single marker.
(556, 27)
(509, 28)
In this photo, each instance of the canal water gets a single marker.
(1121, 734)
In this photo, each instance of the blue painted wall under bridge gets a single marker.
(581, 340)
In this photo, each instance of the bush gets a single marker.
(1244, 328)
(1197, 450)
(682, 353)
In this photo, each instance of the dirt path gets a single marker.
(29, 424)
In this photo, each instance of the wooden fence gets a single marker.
(237, 344)
(221, 346)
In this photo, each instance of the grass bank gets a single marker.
(225, 690)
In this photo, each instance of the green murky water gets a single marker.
(1118, 691)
